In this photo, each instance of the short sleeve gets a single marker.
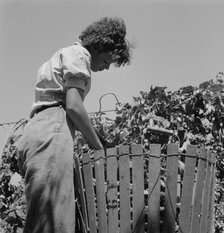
(76, 67)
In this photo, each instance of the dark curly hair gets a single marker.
(108, 35)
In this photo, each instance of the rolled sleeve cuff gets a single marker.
(76, 82)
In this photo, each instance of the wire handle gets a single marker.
(100, 100)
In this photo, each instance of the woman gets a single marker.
(46, 146)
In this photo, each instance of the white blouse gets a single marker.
(68, 67)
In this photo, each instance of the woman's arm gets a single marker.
(80, 118)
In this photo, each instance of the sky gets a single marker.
(177, 43)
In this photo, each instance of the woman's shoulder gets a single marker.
(77, 49)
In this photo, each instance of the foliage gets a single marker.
(12, 197)
(191, 115)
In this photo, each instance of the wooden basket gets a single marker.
(127, 190)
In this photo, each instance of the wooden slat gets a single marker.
(124, 177)
(212, 198)
(187, 191)
(100, 190)
(179, 185)
(80, 192)
(154, 189)
(89, 191)
(198, 190)
(138, 188)
(205, 197)
(112, 196)
(171, 188)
